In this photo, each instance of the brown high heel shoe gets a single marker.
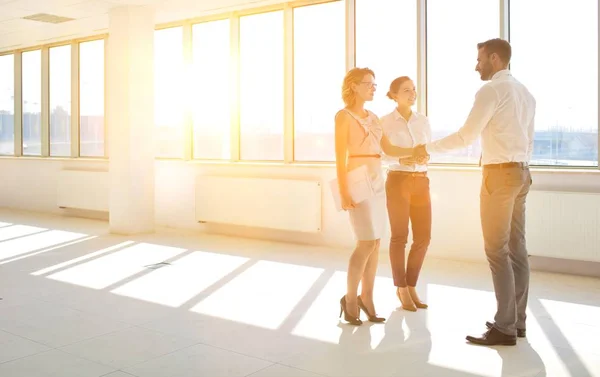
(409, 306)
(351, 320)
(372, 318)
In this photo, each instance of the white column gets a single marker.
(130, 119)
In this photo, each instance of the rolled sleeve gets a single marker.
(486, 103)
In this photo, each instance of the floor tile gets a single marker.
(127, 347)
(53, 363)
(199, 360)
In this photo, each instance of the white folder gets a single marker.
(359, 186)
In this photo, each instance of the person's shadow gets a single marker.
(354, 338)
(521, 360)
(408, 339)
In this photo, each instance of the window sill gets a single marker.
(49, 158)
(330, 165)
(301, 164)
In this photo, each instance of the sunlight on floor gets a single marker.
(46, 250)
(71, 262)
(319, 322)
(113, 268)
(264, 295)
(568, 312)
(34, 242)
(232, 301)
(15, 231)
(183, 280)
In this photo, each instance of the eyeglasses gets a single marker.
(369, 84)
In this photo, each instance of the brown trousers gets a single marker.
(408, 199)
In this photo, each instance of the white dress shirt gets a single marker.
(503, 114)
(405, 134)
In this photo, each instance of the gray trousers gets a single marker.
(503, 195)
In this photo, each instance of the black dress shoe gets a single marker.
(521, 333)
(493, 337)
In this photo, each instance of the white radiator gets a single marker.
(284, 204)
(87, 190)
(564, 225)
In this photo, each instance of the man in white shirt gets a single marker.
(503, 114)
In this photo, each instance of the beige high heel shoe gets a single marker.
(407, 302)
(415, 297)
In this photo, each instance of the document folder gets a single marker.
(359, 186)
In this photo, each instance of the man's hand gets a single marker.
(422, 160)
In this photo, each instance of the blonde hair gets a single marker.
(354, 76)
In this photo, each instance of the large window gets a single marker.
(210, 95)
(169, 92)
(91, 98)
(386, 42)
(557, 59)
(210, 82)
(452, 82)
(261, 86)
(7, 105)
(319, 67)
(60, 101)
(32, 103)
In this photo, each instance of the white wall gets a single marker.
(30, 184)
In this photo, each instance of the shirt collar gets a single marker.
(397, 115)
(501, 73)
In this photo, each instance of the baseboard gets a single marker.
(565, 266)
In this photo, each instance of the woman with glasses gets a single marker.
(359, 141)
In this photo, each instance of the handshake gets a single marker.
(419, 156)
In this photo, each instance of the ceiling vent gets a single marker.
(49, 18)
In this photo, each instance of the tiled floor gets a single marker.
(77, 302)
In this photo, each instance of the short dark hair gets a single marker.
(498, 46)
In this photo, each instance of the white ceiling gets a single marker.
(91, 17)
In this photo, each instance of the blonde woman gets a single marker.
(359, 141)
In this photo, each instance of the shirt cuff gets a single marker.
(430, 148)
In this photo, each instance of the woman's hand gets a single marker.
(411, 161)
(408, 161)
(347, 202)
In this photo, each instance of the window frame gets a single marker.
(16, 93)
(234, 20)
(47, 79)
(45, 92)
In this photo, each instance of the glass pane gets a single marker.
(386, 42)
(565, 85)
(210, 95)
(32, 103)
(169, 92)
(261, 86)
(60, 101)
(452, 82)
(7, 105)
(319, 67)
(91, 98)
